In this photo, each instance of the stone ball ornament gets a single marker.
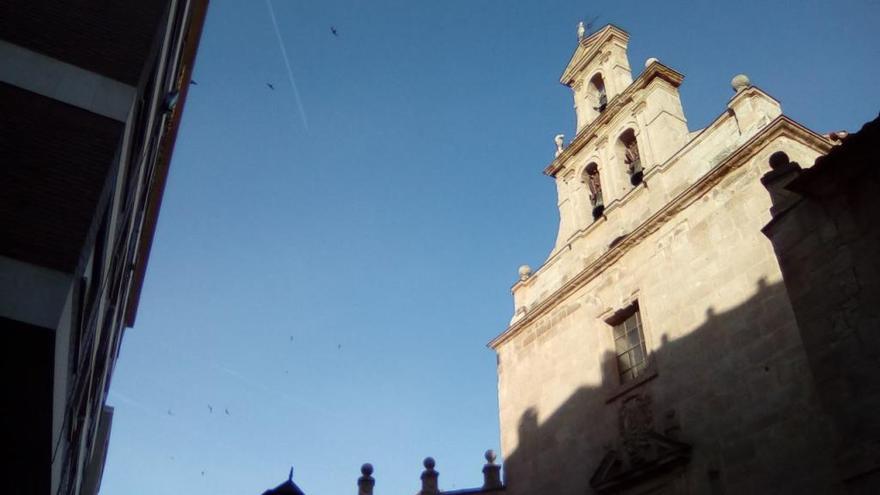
(740, 82)
(650, 61)
(525, 271)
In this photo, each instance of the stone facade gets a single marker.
(721, 399)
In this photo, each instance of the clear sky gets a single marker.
(330, 271)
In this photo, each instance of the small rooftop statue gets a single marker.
(525, 271)
(581, 30)
(559, 139)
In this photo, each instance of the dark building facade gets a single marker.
(91, 96)
(826, 234)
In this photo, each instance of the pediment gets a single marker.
(587, 50)
(654, 455)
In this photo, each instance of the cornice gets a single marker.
(616, 104)
(780, 126)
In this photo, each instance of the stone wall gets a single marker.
(826, 233)
(729, 377)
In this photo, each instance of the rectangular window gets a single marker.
(629, 346)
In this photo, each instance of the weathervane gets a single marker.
(585, 29)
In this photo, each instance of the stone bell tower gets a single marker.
(598, 71)
(624, 129)
(642, 352)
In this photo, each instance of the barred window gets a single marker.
(629, 346)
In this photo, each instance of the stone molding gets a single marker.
(781, 126)
(695, 139)
(590, 131)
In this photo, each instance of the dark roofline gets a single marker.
(842, 159)
(469, 491)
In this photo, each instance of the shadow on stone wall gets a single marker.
(729, 408)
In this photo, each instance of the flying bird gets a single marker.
(338, 346)
(170, 413)
(203, 472)
(227, 411)
(270, 86)
(333, 30)
(193, 82)
(210, 408)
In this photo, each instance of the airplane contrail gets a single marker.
(302, 111)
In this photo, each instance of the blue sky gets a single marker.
(332, 278)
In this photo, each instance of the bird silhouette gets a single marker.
(270, 86)
(291, 338)
(227, 411)
(210, 408)
(338, 346)
(203, 472)
(193, 82)
(333, 30)
(170, 413)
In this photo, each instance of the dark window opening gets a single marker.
(595, 185)
(597, 89)
(631, 157)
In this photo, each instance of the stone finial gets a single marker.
(740, 82)
(429, 478)
(782, 172)
(559, 139)
(491, 472)
(366, 481)
(525, 271)
(582, 30)
(650, 61)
